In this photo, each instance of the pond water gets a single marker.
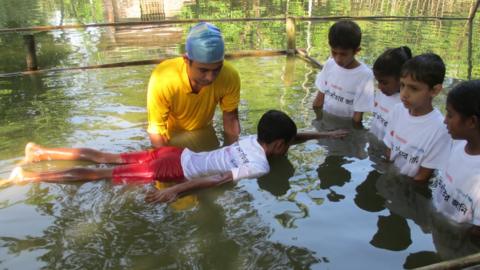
(329, 205)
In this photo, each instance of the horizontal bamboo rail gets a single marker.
(312, 61)
(321, 18)
(459, 263)
(234, 55)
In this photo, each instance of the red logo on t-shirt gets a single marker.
(449, 177)
(392, 133)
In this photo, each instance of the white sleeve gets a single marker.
(363, 101)
(438, 154)
(250, 171)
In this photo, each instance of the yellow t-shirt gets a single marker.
(172, 105)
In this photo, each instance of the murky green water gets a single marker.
(314, 210)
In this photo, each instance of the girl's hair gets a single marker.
(390, 62)
(465, 98)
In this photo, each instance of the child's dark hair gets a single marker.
(465, 98)
(390, 62)
(274, 125)
(427, 68)
(345, 34)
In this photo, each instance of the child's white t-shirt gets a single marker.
(346, 90)
(456, 193)
(245, 159)
(382, 106)
(416, 141)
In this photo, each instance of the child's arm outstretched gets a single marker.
(170, 194)
(314, 135)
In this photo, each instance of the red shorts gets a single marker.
(162, 164)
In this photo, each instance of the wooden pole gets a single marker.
(471, 16)
(234, 55)
(473, 10)
(164, 22)
(31, 58)
(312, 61)
(291, 33)
(455, 264)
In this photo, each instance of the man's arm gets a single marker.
(319, 100)
(170, 194)
(313, 135)
(231, 126)
(158, 109)
(158, 140)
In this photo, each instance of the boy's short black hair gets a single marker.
(427, 68)
(345, 34)
(274, 125)
(465, 98)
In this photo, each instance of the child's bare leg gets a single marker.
(18, 175)
(35, 153)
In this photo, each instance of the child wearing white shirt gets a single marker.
(246, 158)
(456, 193)
(416, 138)
(386, 70)
(345, 84)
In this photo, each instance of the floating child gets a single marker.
(246, 158)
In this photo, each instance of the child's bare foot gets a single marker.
(32, 153)
(16, 176)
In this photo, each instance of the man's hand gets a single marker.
(162, 196)
(158, 140)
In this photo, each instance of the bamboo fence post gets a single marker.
(471, 16)
(474, 9)
(31, 57)
(290, 27)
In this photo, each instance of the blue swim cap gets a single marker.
(205, 43)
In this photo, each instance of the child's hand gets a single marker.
(161, 196)
(337, 134)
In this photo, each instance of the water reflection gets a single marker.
(354, 145)
(367, 197)
(277, 181)
(96, 227)
(409, 200)
(332, 173)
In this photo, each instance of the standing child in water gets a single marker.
(416, 137)
(386, 70)
(456, 193)
(345, 84)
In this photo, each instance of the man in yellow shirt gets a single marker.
(183, 92)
